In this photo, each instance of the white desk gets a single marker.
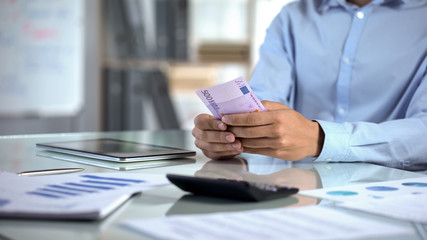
(19, 153)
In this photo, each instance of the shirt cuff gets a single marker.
(336, 144)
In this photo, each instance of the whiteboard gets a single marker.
(41, 51)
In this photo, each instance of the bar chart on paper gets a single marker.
(88, 184)
(72, 196)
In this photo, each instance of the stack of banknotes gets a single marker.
(235, 96)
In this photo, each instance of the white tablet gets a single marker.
(116, 150)
(119, 166)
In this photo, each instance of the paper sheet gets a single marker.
(70, 196)
(407, 207)
(312, 222)
(370, 191)
(403, 199)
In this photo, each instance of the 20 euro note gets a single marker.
(235, 96)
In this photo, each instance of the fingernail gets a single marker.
(224, 119)
(229, 138)
(236, 145)
(221, 126)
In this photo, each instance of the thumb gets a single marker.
(273, 106)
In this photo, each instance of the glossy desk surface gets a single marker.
(19, 153)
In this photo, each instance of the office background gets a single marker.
(106, 65)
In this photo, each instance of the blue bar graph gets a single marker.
(3, 202)
(60, 192)
(87, 184)
(44, 194)
(106, 183)
(72, 189)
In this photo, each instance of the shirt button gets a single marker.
(328, 159)
(346, 60)
(341, 111)
(360, 15)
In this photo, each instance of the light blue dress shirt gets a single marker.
(360, 72)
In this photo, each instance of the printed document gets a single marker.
(407, 207)
(312, 222)
(70, 196)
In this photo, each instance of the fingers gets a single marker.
(212, 138)
(251, 119)
(247, 119)
(255, 132)
(208, 122)
(221, 155)
(272, 106)
(217, 144)
(255, 118)
(218, 147)
(218, 150)
(279, 132)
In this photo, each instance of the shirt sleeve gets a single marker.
(273, 77)
(399, 143)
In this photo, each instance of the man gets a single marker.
(345, 81)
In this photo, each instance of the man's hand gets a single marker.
(213, 138)
(232, 168)
(279, 132)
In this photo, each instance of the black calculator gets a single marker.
(231, 189)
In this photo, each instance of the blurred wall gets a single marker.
(87, 118)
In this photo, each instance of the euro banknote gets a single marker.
(235, 96)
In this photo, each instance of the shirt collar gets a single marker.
(325, 5)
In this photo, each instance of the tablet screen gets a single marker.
(116, 150)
